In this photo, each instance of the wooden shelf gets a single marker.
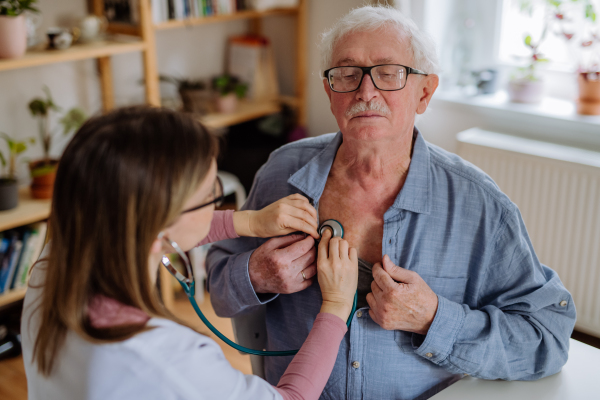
(11, 296)
(247, 110)
(28, 211)
(85, 51)
(248, 14)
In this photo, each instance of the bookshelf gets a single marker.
(247, 110)
(147, 31)
(124, 38)
(98, 49)
(28, 211)
(12, 296)
(246, 14)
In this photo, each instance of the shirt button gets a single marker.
(563, 303)
(355, 364)
(390, 241)
(358, 314)
(429, 355)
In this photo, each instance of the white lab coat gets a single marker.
(168, 362)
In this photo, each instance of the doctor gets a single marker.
(93, 327)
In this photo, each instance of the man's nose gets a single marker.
(367, 89)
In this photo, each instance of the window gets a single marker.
(562, 26)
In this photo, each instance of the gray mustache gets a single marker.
(367, 106)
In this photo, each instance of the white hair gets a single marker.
(370, 18)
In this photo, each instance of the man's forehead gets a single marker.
(372, 48)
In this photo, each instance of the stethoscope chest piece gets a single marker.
(337, 230)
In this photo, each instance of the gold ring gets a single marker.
(303, 276)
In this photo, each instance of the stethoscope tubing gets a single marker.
(190, 289)
(240, 347)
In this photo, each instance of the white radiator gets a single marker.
(557, 189)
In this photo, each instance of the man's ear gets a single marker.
(327, 89)
(428, 88)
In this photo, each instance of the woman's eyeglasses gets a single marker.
(218, 197)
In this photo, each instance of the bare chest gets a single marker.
(361, 215)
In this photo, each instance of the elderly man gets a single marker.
(449, 283)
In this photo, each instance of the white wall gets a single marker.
(322, 15)
(192, 52)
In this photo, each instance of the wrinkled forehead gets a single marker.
(386, 45)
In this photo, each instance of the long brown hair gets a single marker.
(121, 180)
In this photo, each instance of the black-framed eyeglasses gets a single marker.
(218, 197)
(386, 77)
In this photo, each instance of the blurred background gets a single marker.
(519, 97)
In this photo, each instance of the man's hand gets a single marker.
(400, 299)
(278, 265)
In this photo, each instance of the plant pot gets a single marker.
(526, 91)
(9, 193)
(13, 36)
(42, 182)
(196, 101)
(227, 104)
(589, 93)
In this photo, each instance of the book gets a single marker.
(171, 8)
(12, 265)
(6, 260)
(29, 239)
(179, 9)
(31, 253)
(15, 272)
(157, 10)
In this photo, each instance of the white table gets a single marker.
(578, 380)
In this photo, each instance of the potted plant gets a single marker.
(9, 194)
(43, 171)
(194, 94)
(578, 26)
(13, 30)
(575, 21)
(526, 84)
(228, 89)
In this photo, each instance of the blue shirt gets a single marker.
(501, 313)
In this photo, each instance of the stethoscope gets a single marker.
(189, 287)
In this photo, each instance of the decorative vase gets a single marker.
(227, 104)
(195, 100)
(13, 36)
(9, 193)
(526, 91)
(589, 93)
(42, 184)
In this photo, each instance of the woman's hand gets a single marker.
(290, 214)
(337, 272)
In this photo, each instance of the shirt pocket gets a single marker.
(451, 288)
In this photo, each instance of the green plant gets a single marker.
(41, 108)
(574, 21)
(15, 148)
(184, 84)
(530, 71)
(225, 84)
(13, 8)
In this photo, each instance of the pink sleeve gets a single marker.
(221, 227)
(307, 374)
